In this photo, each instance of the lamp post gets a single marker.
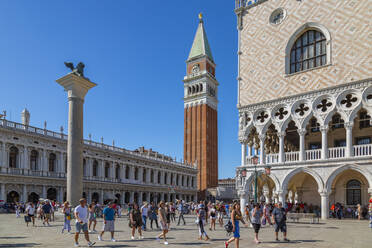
(255, 161)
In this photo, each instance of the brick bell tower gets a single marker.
(200, 112)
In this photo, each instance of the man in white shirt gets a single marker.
(81, 216)
(30, 210)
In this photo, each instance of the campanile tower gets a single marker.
(200, 111)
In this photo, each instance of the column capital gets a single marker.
(281, 134)
(301, 131)
(324, 193)
(262, 137)
(349, 125)
(76, 86)
(324, 129)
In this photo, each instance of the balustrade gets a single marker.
(292, 156)
(272, 158)
(336, 152)
(363, 150)
(313, 154)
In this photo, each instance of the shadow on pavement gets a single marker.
(20, 245)
(13, 237)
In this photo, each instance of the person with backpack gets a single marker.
(201, 216)
(279, 218)
(236, 217)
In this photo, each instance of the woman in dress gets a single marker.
(213, 217)
(135, 221)
(236, 216)
(67, 213)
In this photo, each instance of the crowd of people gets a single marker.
(163, 215)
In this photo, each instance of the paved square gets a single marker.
(330, 234)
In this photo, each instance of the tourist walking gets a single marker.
(46, 209)
(18, 210)
(144, 213)
(172, 210)
(201, 213)
(153, 215)
(256, 221)
(213, 216)
(181, 211)
(163, 223)
(135, 221)
(92, 216)
(30, 211)
(108, 221)
(279, 218)
(67, 214)
(236, 217)
(81, 216)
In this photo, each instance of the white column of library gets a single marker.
(76, 87)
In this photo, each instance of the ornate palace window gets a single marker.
(52, 162)
(13, 155)
(353, 192)
(309, 51)
(107, 170)
(33, 160)
(95, 168)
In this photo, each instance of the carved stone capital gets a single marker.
(349, 125)
(301, 131)
(262, 137)
(323, 129)
(281, 134)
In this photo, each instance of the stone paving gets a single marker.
(330, 234)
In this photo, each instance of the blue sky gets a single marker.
(135, 51)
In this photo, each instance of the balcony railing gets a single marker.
(14, 125)
(333, 153)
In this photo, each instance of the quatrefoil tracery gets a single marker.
(302, 109)
(281, 113)
(324, 105)
(262, 117)
(349, 100)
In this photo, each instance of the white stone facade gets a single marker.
(310, 129)
(33, 165)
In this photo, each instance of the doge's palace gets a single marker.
(305, 102)
(33, 165)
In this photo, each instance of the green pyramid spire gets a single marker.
(200, 46)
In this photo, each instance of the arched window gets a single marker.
(95, 168)
(127, 172)
(353, 192)
(177, 180)
(117, 171)
(165, 178)
(52, 162)
(159, 177)
(13, 155)
(136, 174)
(152, 176)
(107, 169)
(33, 160)
(144, 175)
(309, 51)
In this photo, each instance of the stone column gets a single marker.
(281, 196)
(4, 156)
(60, 194)
(60, 163)
(26, 164)
(301, 133)
(281, 136)
(324, 130)
(44, 194)
(262, 148)
(131, 199)
(24, 193)
(122, 199)
(89, 196)
(140, 198)
(244, 153)
(243, 200)
(324, 198)
(349, 152)
(76, 87)
(101, 196)
(44, 164)
(162, 196)
(249, 149)
(2, 192)
(101, 170)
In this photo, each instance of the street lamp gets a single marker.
(255, 162)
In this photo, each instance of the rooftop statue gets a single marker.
(78, 70)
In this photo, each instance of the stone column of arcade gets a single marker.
(76, 86)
